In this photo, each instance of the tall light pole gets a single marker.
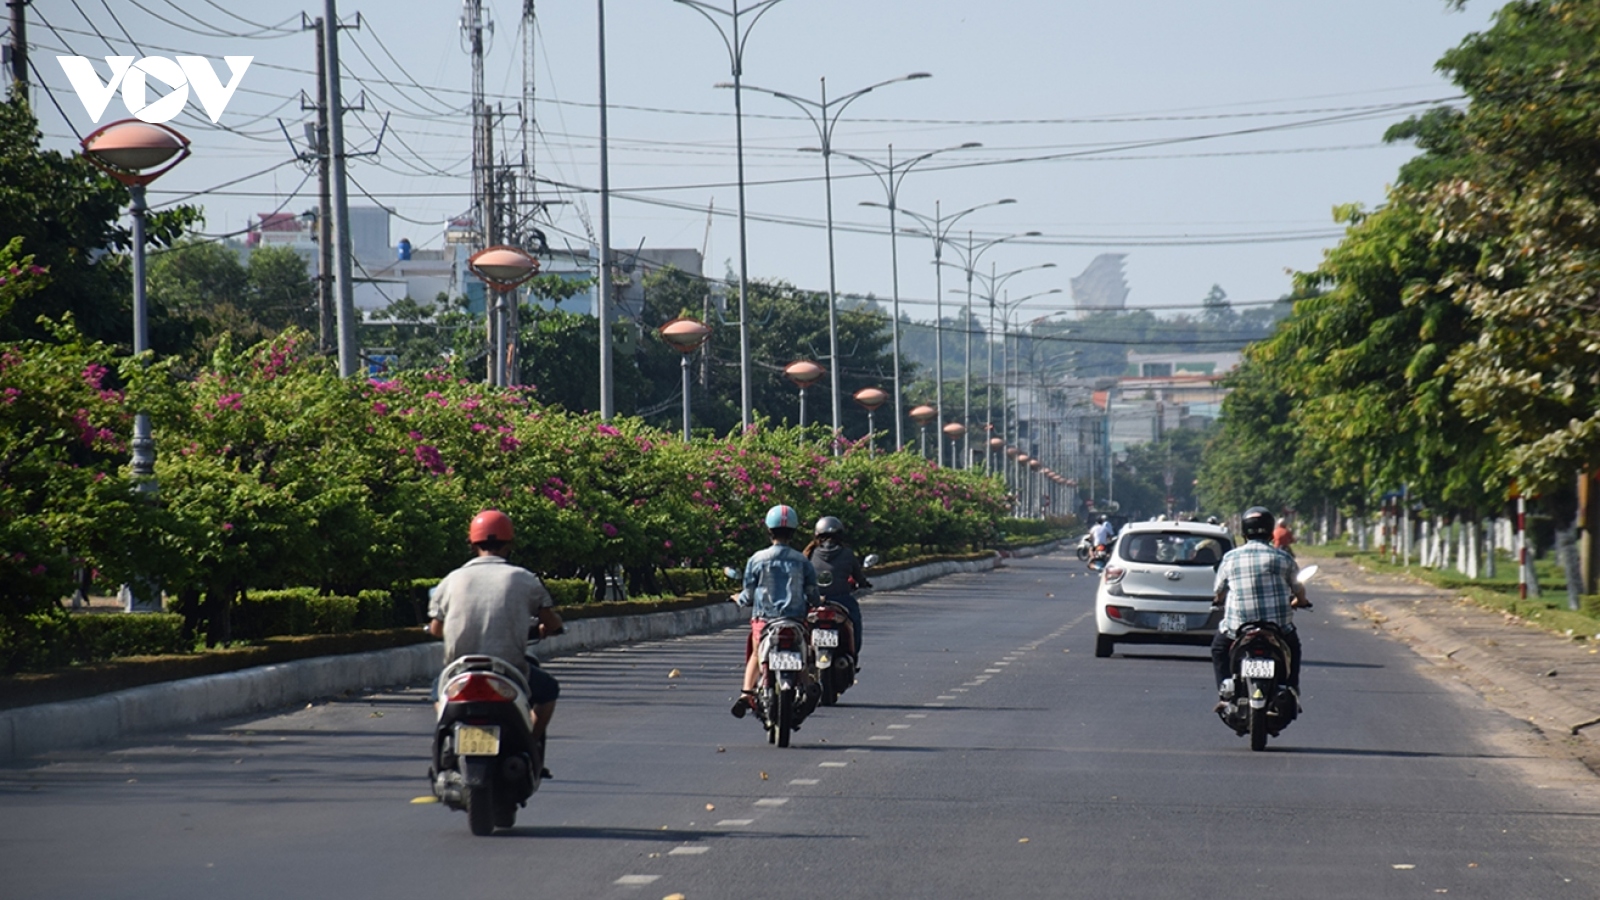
(137, 153)
(608, 405)
(890, 175)
(734, 38)
(969, 256)
(824, 115)
(938, 227)
(991, 287)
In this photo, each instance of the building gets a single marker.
(1102, 286)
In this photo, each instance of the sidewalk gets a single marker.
(1548, 680)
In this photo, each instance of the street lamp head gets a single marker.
(804, 373)
(503, 267)
(135, 152)
(922, 415)
(915, 75)
(954, 430)
(871, 398)
(1007, 201)
(970, 145)
(1037, 234)
(684, 334)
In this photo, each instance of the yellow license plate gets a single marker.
(476, 740)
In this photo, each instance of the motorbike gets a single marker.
(833, 644)
(1256, 697)
(485, 760)
(786, 678)
(1085, 547)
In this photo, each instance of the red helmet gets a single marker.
(490, 525)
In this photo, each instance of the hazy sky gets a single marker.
(1209, 141)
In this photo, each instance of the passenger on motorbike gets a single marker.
(779, 583)
(1104, 532)
(486, 606)
(839, 572)
(1256, 583)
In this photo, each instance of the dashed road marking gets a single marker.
(688, 850)
(772, 801)
(992, 671)
(802, 781)
(881, 737)
(933, 704)
(636, 880)
(899, 726)
(832, 765)
(916, 715)
(734, 823)
(946, 697)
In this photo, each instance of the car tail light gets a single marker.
(480, 688)
(1114, 574)
(1122, 613)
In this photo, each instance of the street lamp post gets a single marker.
(955, 431)
(734, 39)
(938, 227)
(870, 399)
(137, 153)
(890, 175)
(992, 285)
(502, 268)
(824, 115)
(803, 374)
(685, 335)
(969, 256)
(922, 415)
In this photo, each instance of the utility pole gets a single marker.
(349, 350)
(19, 47)
(325, 306)
(603, 301)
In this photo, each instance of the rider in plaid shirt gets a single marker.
(1256, 582)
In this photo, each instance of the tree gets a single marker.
(66, 212)
(1216, 312)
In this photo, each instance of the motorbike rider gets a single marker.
(839, 572)
(779, 583)
(1283, 536)
(1256, 582)
(486, 606)
(1104, 532)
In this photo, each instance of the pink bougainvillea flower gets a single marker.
(227, 526)
(231, 401)
(608, 529)
(93, 373)
(428, 455)
(380, 408)
(607, 430)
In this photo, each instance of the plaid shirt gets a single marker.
(1259, 579)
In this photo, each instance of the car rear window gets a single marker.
(1173, 548)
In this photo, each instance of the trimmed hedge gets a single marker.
(295, 611)
(52, 639)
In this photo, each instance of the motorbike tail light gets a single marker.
(786, 639)
(825, 615)
(480, 688)
(1114, 574)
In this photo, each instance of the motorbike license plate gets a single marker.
(786, 661)
(1257, 667)
(822, 637)
(1173, 622)
(477, 740)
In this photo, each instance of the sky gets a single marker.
(1210, 142)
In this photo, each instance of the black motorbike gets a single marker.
(1256, 697)
(485, 760)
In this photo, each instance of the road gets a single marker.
(985, 753)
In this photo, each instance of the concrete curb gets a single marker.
(76, 724)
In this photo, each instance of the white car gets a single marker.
(1157, 586)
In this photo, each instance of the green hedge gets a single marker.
(293, 611)
(53, 639)
(570, 591)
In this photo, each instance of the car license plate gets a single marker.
(1257, 667)
(823, 637)
(786, 661)
(1173, 622)
(477, 740)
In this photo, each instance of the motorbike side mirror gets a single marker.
(732, 573)
(1308, 573)
(871, 560)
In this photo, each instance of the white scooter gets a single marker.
(485, 760)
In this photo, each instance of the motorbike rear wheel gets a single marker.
(830, 687)
(785, 716)
(505, 810)
(1258, 728)
(481, 809)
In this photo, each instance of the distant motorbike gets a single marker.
(833, 645)
(1256, 696)
(484, 757)
(1085, 547)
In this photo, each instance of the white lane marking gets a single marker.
(688, 850)
(832, 765)
(933, 704)
(899, 726)
(881, 737)
(802, 781)
(960, 690)
(992, 671)
(734, 823)
(636, 880)
(946, 697)
(1003, 662)
(916, 715)
(772, 801)
(971, 683)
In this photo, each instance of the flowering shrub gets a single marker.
(274, 473)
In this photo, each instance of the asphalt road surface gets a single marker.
(985, 754)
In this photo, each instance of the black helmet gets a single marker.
(828, 525)
(1257, 523)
